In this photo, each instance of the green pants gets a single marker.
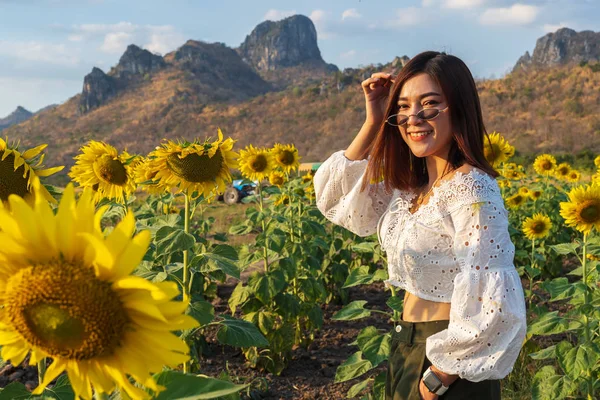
(408, 362)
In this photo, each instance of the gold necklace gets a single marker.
(422, 197)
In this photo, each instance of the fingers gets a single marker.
(377, 79)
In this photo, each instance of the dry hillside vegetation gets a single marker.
(552, 110)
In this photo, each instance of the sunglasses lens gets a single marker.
(401, 119)
(428, 113)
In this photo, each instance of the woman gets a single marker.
(440, 217)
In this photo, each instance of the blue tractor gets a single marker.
(238, 189)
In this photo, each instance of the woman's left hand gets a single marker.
(425, 393)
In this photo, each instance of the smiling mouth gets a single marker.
(420, 134)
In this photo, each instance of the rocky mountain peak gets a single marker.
(562, 47)
(286, 43)
(98, 88)
(16, 117)
(137, 61)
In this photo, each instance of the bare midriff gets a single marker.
(421, 310)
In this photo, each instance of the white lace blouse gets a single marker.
(456, 249)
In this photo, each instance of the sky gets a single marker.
(48, 46)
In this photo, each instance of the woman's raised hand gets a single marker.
(377, 90)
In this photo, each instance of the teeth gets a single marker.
(420, 134)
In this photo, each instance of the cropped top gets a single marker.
(455, 249)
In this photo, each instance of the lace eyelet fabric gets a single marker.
(454, 249)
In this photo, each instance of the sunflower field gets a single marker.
(106, 284)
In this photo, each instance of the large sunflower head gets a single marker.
(544, 164)
(255, 163)
(192, 167)
(574, 176)
(286, 157)
(562, 171)
(497, 150)
(582, 211)
(277, 178)
(143, 176)
(102, 168)
(597, 161)
(67, 293)
(516, 200)
(308, 177)
(19, 170)
(537, 227)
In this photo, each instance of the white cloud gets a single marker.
(320, 19)
(276, 15)
(75, 38)
(462, 4)
(517, 14)
(348, 54)
(101, 29)
(164, 39)
(429, 3)
(33, 51)
(351, 13)
(554, 27)
(404, 17)
(116, 42)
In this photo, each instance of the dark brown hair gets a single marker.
(391, 157)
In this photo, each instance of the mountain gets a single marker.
(201, 86)
(16, 117)
(562, 47)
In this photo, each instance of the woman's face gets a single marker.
(418, 93)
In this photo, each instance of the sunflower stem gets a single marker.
(42, 369)
(186, 272)
(264, 229)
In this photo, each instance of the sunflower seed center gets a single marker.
(111, 171)
(258, 163)
(590, 212)
(285, 157)
(11, 181)
(538, 227)
(196, 168)
(65, 310)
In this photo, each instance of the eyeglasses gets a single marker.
(425, 114)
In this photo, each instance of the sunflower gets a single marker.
(277, 178)
(537, 227)
(504, 183)
(67, 293)
(308, 177)
(282, 199)
(516, 200)
(143, 175)
(574, 176)
(286, 157)
(514, 173)
(562, 171)
(544, 164)
(597, 161)
(100, 167)
(192, 167)
(256, 164)
(582, 211)
(524, 190)
(19, 170)
(596, 179)
(497, 150)
(535, 194)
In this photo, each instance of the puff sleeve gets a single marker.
(337, 189)
(487, 314)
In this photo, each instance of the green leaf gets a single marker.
(266, 287)
(351, 368)
(357, 388)
(548, 324)
(202, 311)
(544, 354)
(239, 296)
(395, 303)
(287, 305)
(575, 360)
(193, 387)
(239, 333)
(380, 275)
(170, 240)
(379, 386)
(565, 248)
(61, 390)
(240, 229)
(221, 259)
(363, 247)
(352, 311)
(312, 289)
(358, 276)
(374, 346)
(15, 391)
(561, 289)
(277, 241)
(547, 385)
